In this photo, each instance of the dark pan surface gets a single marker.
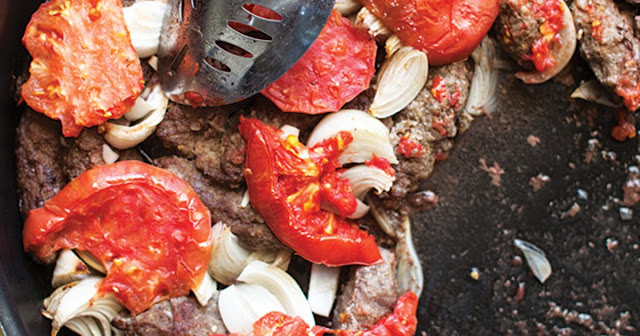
(473, 225)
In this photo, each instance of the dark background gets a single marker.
(594, 255)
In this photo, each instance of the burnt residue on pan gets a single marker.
(558, 182)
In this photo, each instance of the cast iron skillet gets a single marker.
(473, 225)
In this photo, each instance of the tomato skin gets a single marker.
(447, 30)
(84, 69)
(338, 66)
(284, 187)
(151, 252)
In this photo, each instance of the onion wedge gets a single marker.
(370, 136)
(78, 307)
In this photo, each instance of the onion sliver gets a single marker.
(144, 21)
(323, 284)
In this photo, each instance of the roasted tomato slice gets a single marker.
(288, 184)
(338, 66)
(145, 224)
(402, 322)
(447, 30)
(84, 69)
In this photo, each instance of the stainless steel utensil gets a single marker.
(216, 52)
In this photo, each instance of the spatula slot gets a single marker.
(233, 49)
(216, 64)
(249, 31)
(263, 12)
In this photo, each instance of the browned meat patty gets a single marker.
(174, 317)
(369, 294)
(224, 204)
(46, 160)
(210, 136)
(429, 121)
(608, 44)
(517, 29)
(40, 173)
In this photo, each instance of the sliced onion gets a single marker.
(483, 92)
(537, 260)
(206, 290)
(69, 268)
(365, 19)
(346, 7)
(109, 155)
(562, 54)
(382, 218)
(410, 275)
(125, 137)
(153, 62)
(370, 136)
(246, 200)
(323, 284)
(400, 79)
(91, 261)
(392, 45)
(280, 284)
(290, 130)
(139, 110)
(229, 258)
(144, 21)
(364, 178)
(593, 91)
(243, 304)
(361, 210)
(78, 307)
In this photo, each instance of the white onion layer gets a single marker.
(144, 21)
(323, 284)
(370, 136)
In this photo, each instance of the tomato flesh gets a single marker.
(145, 224)
(338, 66)
(288, 184)
(447, 30)
(84, 69)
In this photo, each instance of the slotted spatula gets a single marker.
(217, 52)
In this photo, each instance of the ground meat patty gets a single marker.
(369, 294)
(210, 135)
(517, 29)
(40, 172)
(224, 205)
(428, 120)
(46, 160)
(608, 44)
(174, 317)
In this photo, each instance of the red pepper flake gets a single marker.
(382, 164)
(626, 128)
(439, 89)
(410, 148)
(440, 156)
(439, 126)
(454, 101)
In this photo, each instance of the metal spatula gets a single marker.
(216, 52)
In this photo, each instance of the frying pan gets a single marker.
(593, 252)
